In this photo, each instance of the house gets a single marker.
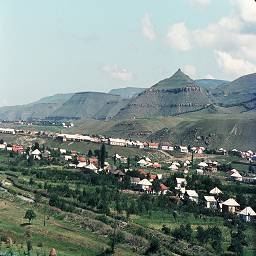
(183, 149)
(153, 145)
(215, 191)
(117, 142)
(17, 149)
(81, 165)
(156, 165)
(118, 173)
(167, 147)
(236, 176)
(7, 130)
(230, 205)
(63, 151)
(163, 189)
(192, 195)
(145, 184)
(68, 158)
(134, 180)
(2, 146)
(200, 171)
(36, 154)
(91, 167)
(81, 159)
(210, 202)
(142, 163)
(180, 183)
(203, 165)
(173, 167)
(247, 214)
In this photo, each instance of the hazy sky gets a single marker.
(59, 46)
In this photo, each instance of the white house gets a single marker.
(145, 184)
(215, 191)
(180, 183)
(210, 202)
(247, 214)
(230, 205)
(7, 130)
(36, 154)
(63, 151)
(117, 142)
(236, 176)
(192, 195)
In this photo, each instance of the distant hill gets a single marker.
(88, 105)
(172, 96)
(240, 92)
(35, 110)
(127, 92)
(210, 84)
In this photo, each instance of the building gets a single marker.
(17, 149)
(215, 191)
(230, 206)
(180, 183)
(236, 176)
(145, 185)
(247, 214)
(211, 202)
(7, 130)
(117, 142)
(192, 195)
(36, 154)
(154, 146)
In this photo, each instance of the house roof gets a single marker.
(181, 180)
(192, 193)
(145, 182)
(210, 198)
(215, 191)
(203, 164)
(91, 166)
(176, 163)
(36, 152)
(173, 167)
(231, 202)
(82, 164)
(135, 179)
(163, 187)
(236, 175)
(248, 211)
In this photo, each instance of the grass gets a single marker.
(69, 239)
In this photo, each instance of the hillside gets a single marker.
(88, 105)
(127, 92)
(35, 110)
(210, 84)
(240, 92)
(173, 96)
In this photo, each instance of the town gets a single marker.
(185, 178)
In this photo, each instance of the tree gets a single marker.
(102, 155)
(154, 246)
(30, 215)
(156, 186)
(201, 235)
(90, 154)
(29, 246)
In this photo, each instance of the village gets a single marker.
(151, 175)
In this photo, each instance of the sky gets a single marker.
(61, 46)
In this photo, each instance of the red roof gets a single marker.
(156, 165)
(81, 159)
(163, 187)
(152, 176)
(141, 171)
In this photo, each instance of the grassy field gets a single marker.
(69, 238)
